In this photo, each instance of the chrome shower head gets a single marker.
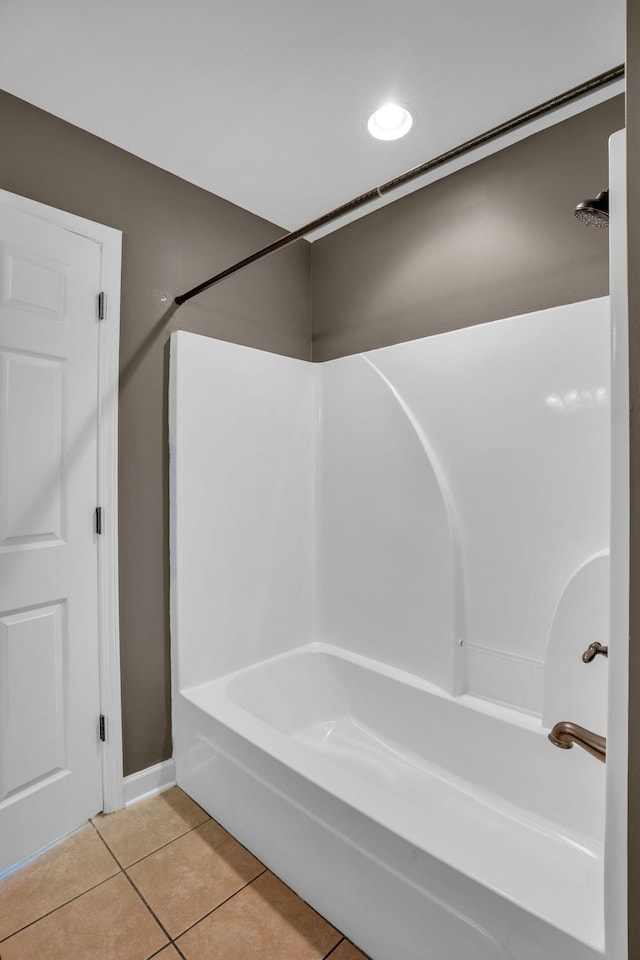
(594, 212)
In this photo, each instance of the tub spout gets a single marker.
(566, 733)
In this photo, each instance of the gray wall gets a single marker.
(633, 161)
(495, 239)
(175, 235)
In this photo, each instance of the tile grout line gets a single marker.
(156, 954)
(175, 947)
(222, 902)
(107, 847)
(122, 869)
(161, 847)
(168, 844)
(171, 943)
(124, 872)
(355, 947)
(200, 807)
(248, 884)
(333, 949)
(342, 939)
(179, 837)
(233, 837)
(311, 907)
(61, 905)
(94, 887)
(161, 925)
(209, 819)
(217, 907)
(171, 940)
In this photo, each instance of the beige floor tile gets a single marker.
(139, 830)
(169, 953)
(347, 951)
(266, 920)
(67, 870)
(191, 876)
(108, 923)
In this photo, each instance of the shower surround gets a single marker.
(385, 569)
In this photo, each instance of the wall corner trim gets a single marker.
(149, 782)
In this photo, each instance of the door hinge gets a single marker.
(102, 728)
(98, 520)
(101, 306)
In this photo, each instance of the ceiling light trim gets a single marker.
(391, 121)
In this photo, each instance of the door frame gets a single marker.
(110, 242)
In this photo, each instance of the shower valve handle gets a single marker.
(592, 652)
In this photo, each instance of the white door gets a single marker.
(50, 765)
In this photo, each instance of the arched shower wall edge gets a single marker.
(384, 569)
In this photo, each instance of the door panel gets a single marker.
(35, 284)
(31, 449)
(33, 743)
(50, 771)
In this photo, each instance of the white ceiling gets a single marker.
(265, 102)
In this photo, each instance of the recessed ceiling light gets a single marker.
(390, 122)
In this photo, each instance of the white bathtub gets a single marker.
(425, 827)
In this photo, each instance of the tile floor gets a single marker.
(160, 879)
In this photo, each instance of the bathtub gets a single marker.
(422, 825)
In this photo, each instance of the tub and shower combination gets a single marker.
(385, 571)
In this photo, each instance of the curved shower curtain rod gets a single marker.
(575, 93)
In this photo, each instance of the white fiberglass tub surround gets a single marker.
(385, 570)
(360, 647)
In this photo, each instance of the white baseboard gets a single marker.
(149, 782)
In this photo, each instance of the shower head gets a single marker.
(594, 212)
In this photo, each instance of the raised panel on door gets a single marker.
(32, 711)
(36, 285)
(31, 449)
